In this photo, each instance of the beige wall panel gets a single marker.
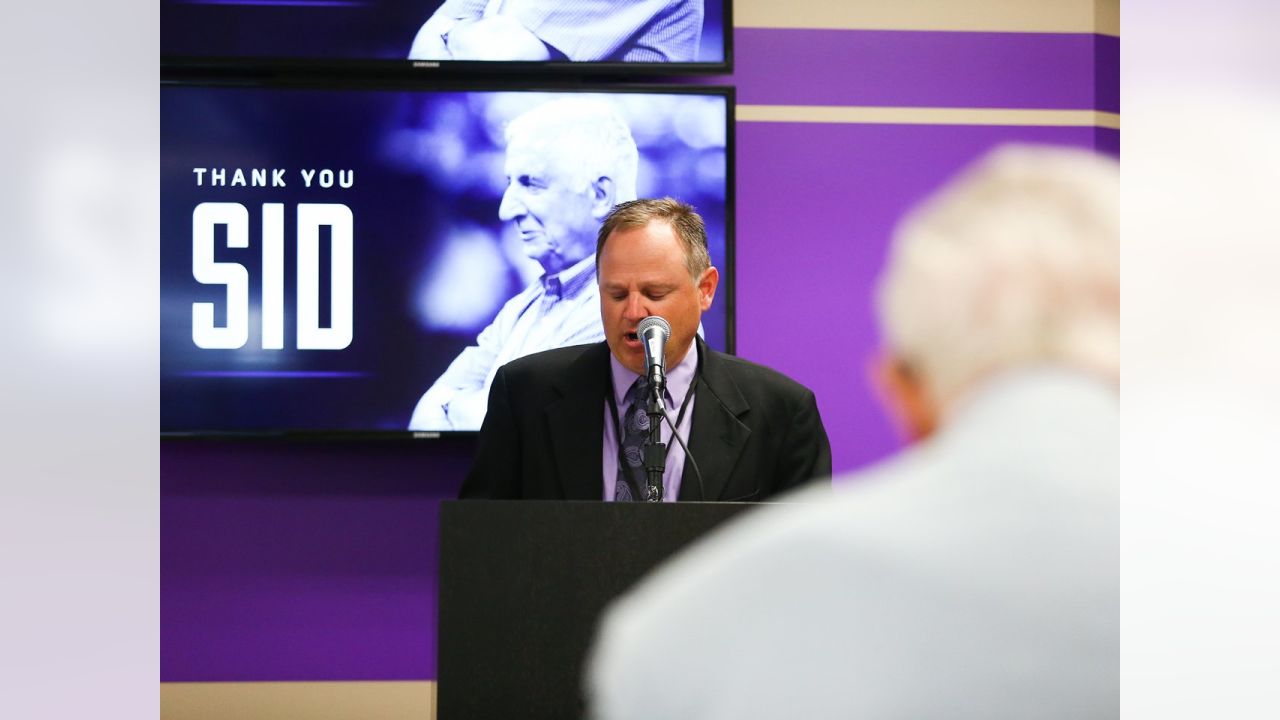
(310, 700)
(926, 116)
(1066, 16)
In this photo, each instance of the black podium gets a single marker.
(522, 586)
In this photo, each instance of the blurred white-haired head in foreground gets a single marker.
(976, 574)
(1015, 262)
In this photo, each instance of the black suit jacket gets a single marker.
(755, 431)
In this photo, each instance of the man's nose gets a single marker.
(635, 310)
(511, 206)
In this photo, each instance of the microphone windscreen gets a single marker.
(651, 322)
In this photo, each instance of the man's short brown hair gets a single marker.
(683, 219)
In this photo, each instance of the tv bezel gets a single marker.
(431, 69)
(725, 292)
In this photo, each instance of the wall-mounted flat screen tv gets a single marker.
(361, 260)
(654, 37)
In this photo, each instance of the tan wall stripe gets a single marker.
(1063, 16)
(311, 700)
(926, 116)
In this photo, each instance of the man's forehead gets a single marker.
(527, 158)
(643, 271)
(644, 282)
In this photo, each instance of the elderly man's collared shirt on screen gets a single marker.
(589, 30)
(557, 310)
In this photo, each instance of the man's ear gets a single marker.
(603, 191)
(905, 396)
(707, 287)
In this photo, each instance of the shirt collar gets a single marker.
(679, 378)
(570, 281)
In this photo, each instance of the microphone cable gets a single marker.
(702, 490)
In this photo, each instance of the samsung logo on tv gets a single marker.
(425, 64)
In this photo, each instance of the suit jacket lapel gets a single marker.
(718, 435)
(576, 424)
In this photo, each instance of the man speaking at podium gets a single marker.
(571, 423)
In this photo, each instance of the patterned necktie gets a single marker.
(632, 483)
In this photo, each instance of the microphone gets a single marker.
(654, 333)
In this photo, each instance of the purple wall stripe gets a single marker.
(1050, 71)
(1107, 140)
(817, 204)
(301, 561)
(1106, 72)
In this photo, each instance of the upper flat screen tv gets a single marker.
(361, 260)
(654, 37)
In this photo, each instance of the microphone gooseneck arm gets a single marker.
(654, 332)
(655, 452)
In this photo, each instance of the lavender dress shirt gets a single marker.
(679, 382)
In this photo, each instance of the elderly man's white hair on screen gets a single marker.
(974, 575)
(588, 137)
